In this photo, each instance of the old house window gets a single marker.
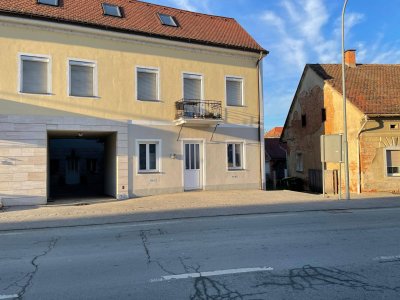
(147, 84)
(148, 156)
(323, 115)
(82, 79)
(393, 162)
(235, 156)
(192, 87)
(35, 74)
(168, 20)
(111, 10)
(234, 91)
(49, 2)
(303, 120)
(299, 162)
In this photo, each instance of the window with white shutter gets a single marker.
(147, 84)
(192, 87)
(34, 74)
(234, 91)
(82, 79)
(393, 162)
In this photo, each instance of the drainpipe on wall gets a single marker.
(261, 121)
(359, 154)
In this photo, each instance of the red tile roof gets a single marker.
(274, 133)
(140, 18)
(374, 89)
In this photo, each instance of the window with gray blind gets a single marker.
(147, 84)
(35, 75)
(192, 86)
(393, 162)
(234, 91)
(82, 79)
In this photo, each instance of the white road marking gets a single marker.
(8, 296)
(212, 273)
(387, 258)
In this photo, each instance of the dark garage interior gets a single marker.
(78, 165)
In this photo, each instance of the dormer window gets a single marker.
(112, 10)
(49, 2)
(168, 20)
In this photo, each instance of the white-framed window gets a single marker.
(235, 155)
(234, 91)
(393, 162)
(82, 78)
(299, 162)
(147, 84)
(192, 86)
(148, 156)
(34, 74)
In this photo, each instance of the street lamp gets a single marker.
(345, 142)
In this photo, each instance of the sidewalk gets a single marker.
(183, 205)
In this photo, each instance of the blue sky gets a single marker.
(297, 32)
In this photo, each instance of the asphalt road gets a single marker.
(316, 255)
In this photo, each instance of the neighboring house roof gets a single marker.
(140, 18)
(274, 133)
(275, 149)
(374, 89)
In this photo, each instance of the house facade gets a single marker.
(125, 99)
(373, 116)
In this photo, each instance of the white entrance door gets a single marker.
(193, 170)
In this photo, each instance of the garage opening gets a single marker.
(81, 165)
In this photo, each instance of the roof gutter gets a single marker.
(261, 116)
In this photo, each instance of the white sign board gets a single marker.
(331, 148)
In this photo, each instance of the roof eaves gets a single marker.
(142, 33)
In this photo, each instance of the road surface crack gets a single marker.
(145, 242)
(29, 276)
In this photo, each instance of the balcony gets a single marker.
(198, 112)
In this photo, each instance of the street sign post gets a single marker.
(332, 151)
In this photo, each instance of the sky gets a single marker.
(297, 32)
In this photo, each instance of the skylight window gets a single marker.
(112, 10)
(49, 2)
(168, 20)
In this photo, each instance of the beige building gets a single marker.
(125, 99)
(373, 109)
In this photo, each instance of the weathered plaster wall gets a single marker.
(309, 101)
(375, 139)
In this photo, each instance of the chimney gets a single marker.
(350, 58)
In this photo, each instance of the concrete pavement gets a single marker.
(183, 205)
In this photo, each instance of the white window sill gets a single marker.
(37, 94)
(85, 97)
(236, 169)
(237, 106)
(152, 101)
(149, 172)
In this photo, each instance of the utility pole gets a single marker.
(345, 141)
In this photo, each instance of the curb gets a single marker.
(151, 220)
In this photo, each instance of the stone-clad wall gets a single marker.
(23, 154)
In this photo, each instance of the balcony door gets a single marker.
(193, 171)
(193, 94)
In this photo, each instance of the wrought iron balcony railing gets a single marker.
(198, 109)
